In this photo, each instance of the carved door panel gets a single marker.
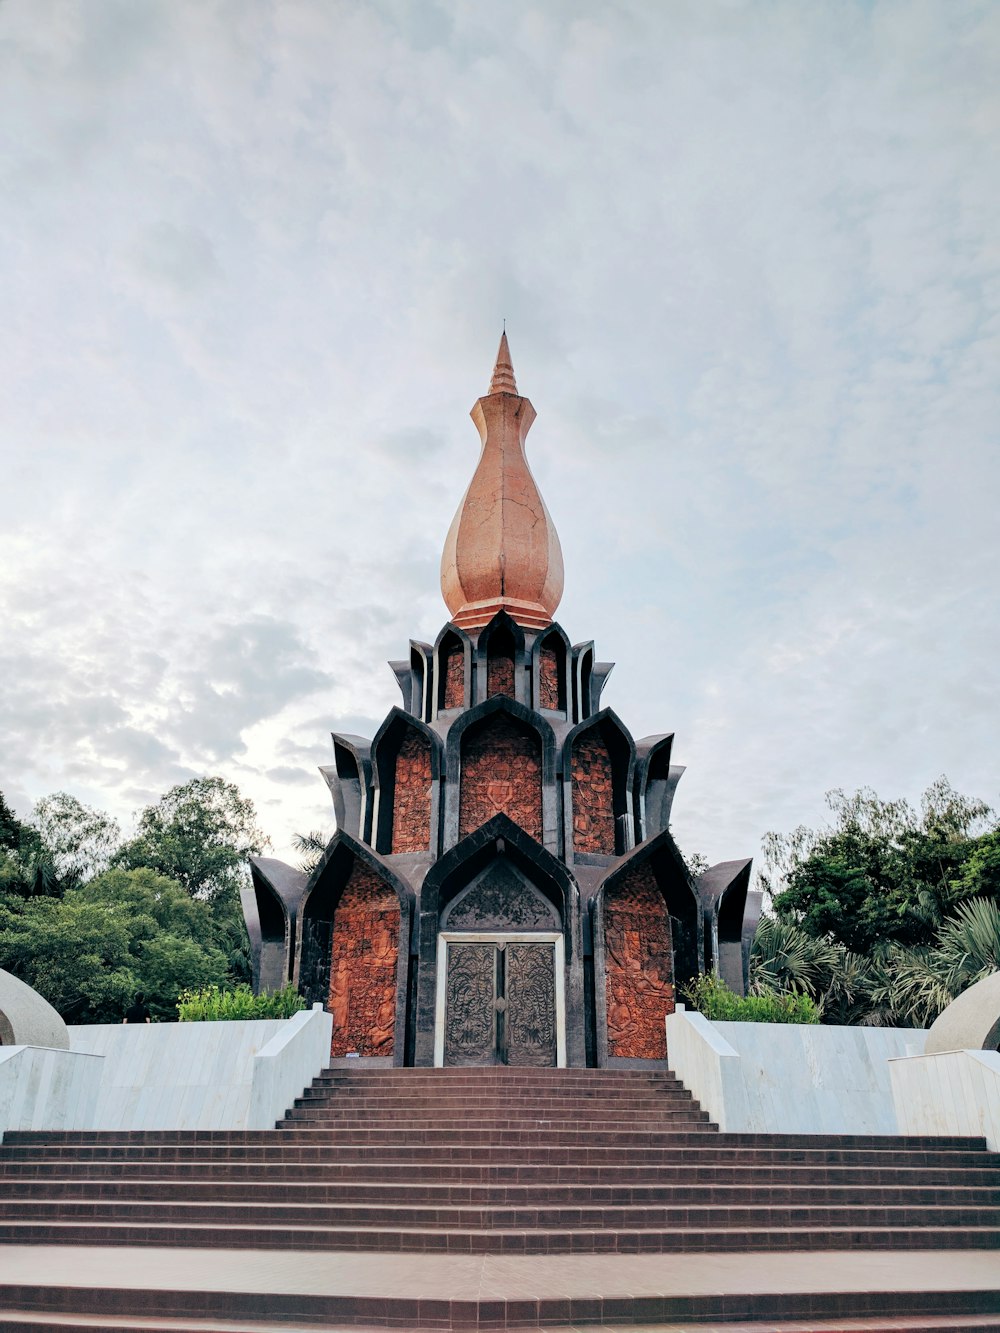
(500, 1004)
(471, 1015)
(530, 987)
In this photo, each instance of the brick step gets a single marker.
(534, 1241)
(612, 1109)
(237, 1310)
(274, 1141)
(678, 1169)
(689, 1149)
(517, 1130)
(46, 1322)
(567, 1216)
(486, 1123)
(479, 1075)
(418, 1191)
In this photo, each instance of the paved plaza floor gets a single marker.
(465, 1277)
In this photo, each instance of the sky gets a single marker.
(255, 256)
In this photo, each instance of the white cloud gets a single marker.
(255, 256)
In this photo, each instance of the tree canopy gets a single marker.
(89, 919)
(889, 912)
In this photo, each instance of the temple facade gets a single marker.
(502, 887)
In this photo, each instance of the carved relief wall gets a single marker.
(501, 774)
(638, 966)
(593, 795)
(363, 966)
(411, 807)
(551, 678)
(500, 673)
(453, 669)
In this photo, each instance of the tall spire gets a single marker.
(503, 380)
(502, 551)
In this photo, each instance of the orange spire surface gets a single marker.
(502, 551)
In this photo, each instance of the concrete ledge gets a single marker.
(42, 1088)
(239, 1075)
(949, 1092)
(789, 1078)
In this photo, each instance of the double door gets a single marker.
(500, 1003)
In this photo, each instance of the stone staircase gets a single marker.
(497, 1162)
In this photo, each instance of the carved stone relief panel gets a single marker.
(639, 966)
(501, 774)
(501, 898)
(470, 1005)
(529, 984)
(363, 968)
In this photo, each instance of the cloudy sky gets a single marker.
(254, 259)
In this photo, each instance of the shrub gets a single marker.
(712, 997)
(210, 1004)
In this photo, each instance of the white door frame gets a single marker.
(446, 938)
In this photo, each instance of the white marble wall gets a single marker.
(239, 1075)
(952, 1092)
(43, 1088)
(786, 1078)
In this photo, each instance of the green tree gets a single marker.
(80, 840)
(124, 931)
(886, 915)
(200, 834)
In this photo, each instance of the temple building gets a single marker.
(502, 887)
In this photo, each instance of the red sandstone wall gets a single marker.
(549, 693)
(593, 795)
(639, 967)
(363, 967)
(454, 678)
(499, 676)
(411, 806)
(501, 774)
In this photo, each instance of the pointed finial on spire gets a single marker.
(503, 372)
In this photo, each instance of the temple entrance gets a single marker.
(500, 1001)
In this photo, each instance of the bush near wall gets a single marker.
(211, 1004)
(714, 1000)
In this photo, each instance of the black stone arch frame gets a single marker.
(583, 671)
(524, 717)
(316, 912)
(554, 636)
(269, 909)
(652, 785)
(385, 748)
(349, 779)
(621, 748)
(447, 878)
(450, 637)
(732, 914)
(683, 904)
(422, 676)
(502, 625)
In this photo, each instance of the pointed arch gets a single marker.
(500, 654)
(501, 755)
(648, 943)
(460, 891)
(452, 661)
(270, 908)
(353, 950)
(421, 668)
(550, 661)
(583, 668)
(349, 780)
(729, 908)
(406, 772)
(598, 764)
(652, 776)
